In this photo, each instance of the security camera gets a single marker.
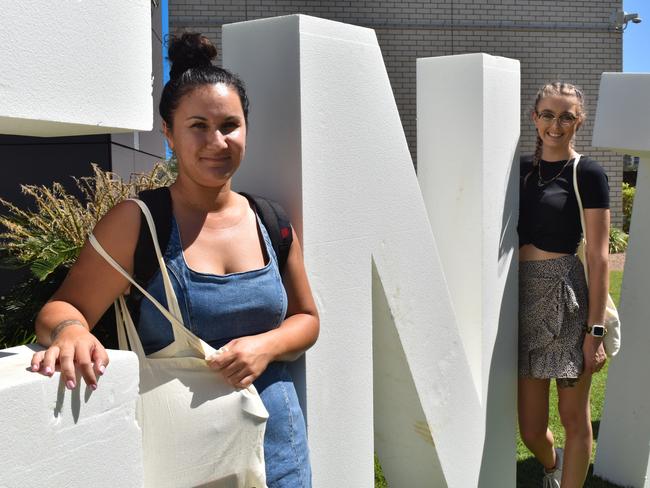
(622, 18)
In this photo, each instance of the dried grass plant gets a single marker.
(47, 240)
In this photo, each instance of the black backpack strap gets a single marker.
(159, 202)
(277, 223)
(145, 263)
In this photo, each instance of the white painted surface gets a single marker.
(623, 454)
(622, 123)
(75, 67)
(468, 169)
(325, 140)
(79, 438)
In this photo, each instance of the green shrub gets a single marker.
(628, 199)
(617, 240)
(46, 241)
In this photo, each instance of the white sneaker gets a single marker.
(552, 479)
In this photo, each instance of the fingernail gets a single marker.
(48, 370)
(34, 367)
(102, 369)
(70, 384)
(93, 386)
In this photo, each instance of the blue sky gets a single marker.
(636, 38)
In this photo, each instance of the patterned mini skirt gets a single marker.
(553, 303)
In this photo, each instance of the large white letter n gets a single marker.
(325, 140)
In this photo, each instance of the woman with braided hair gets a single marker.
(560, 314)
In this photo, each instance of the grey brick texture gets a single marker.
(553, 39)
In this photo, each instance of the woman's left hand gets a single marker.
(242, 360)
(594, 354)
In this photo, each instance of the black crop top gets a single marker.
(548, 214)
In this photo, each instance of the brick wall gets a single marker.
(553, 39)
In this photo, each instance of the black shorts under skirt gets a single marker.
(553, 308)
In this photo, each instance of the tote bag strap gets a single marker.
(177, 325)
(179, 330)
(582, 215)
(126, 329)
(170, 296)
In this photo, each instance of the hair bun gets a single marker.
(190, 50)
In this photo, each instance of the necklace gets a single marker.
(541, 181)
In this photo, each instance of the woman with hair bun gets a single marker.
(560, 314)
(224, 269)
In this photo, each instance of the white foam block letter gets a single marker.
(75, 68)
(622, 125)
(325, 140)
(56, 437)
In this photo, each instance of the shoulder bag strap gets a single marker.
(581, 253)
(179, 330)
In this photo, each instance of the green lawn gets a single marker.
(529, 471)
(615, 279)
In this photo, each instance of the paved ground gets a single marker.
(617, 261)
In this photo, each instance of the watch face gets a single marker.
(598, 331)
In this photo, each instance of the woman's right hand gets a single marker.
(594, 354)
(73, 348)
(90, 287)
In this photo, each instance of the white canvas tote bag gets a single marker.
(612, 339)
(197, 429)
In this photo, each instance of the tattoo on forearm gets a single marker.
(57, 330)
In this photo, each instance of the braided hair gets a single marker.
(191, 55)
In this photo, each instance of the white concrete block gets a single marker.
(76, 67)
(79, 438)
(325, 140)
(622, 123)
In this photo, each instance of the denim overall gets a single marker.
(219, 308)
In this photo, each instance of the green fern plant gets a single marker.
(47, 240)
